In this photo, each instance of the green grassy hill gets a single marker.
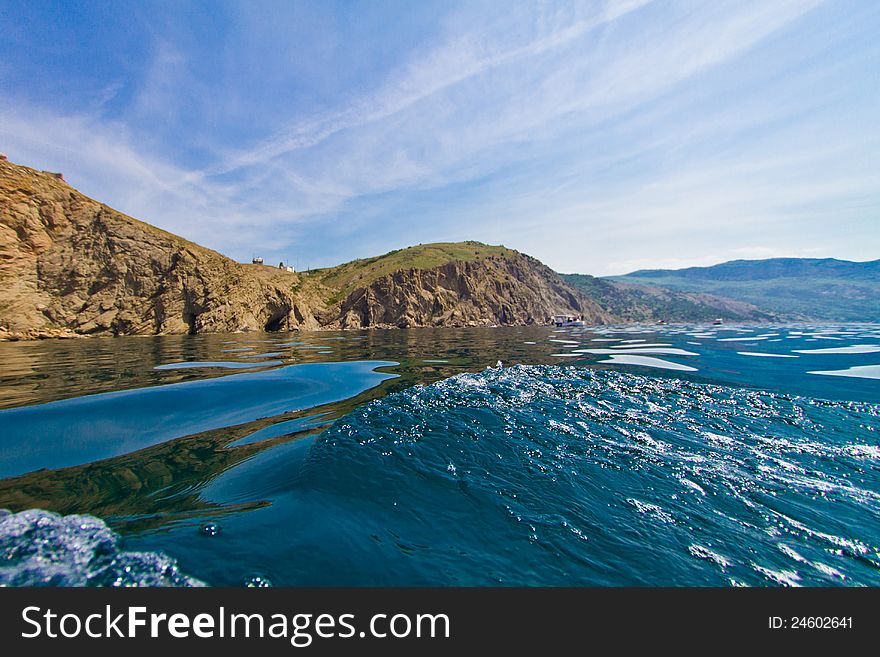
(344, 279)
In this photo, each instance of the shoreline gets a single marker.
(35, 335)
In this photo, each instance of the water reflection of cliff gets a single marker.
(159, 484)
(37, 372)
(163, 483)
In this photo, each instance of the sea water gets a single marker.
(637, 455)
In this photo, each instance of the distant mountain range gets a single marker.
(631, 302)
(791, 288)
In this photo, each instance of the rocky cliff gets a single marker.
(513, 289)
(70, 265)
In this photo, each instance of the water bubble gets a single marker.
(257, 582)
(210, 529)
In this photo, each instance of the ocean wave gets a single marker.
(527, 475)
(561, 475)
(39, 548)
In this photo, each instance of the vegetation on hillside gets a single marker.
(629, 302)
(805, 288)
(344, 279)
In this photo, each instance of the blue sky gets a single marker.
(600, 137)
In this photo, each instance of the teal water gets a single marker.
(671, 455)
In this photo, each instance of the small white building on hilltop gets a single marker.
(257, 260)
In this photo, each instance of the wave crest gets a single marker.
(40, 548)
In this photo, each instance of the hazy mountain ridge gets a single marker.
(794, 288)
(648, 303)
(745, 270)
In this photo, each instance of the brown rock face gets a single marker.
(67, 261)
(72, 266)
(492, 291)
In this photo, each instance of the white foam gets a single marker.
(692, 484)
(784, 577)
(41, 548)
(651, 510)
(647, 361)
(762, 354)
(751, 339)
(705, 553)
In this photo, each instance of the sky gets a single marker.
(600, 137)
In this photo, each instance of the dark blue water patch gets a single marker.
(85, 429)
(231, 365)
(552, 475)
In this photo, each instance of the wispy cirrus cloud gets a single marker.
(461, 58)
(464, 111)
(474, 104)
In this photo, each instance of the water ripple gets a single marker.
(666, 481)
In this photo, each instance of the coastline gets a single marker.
(33, 335)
